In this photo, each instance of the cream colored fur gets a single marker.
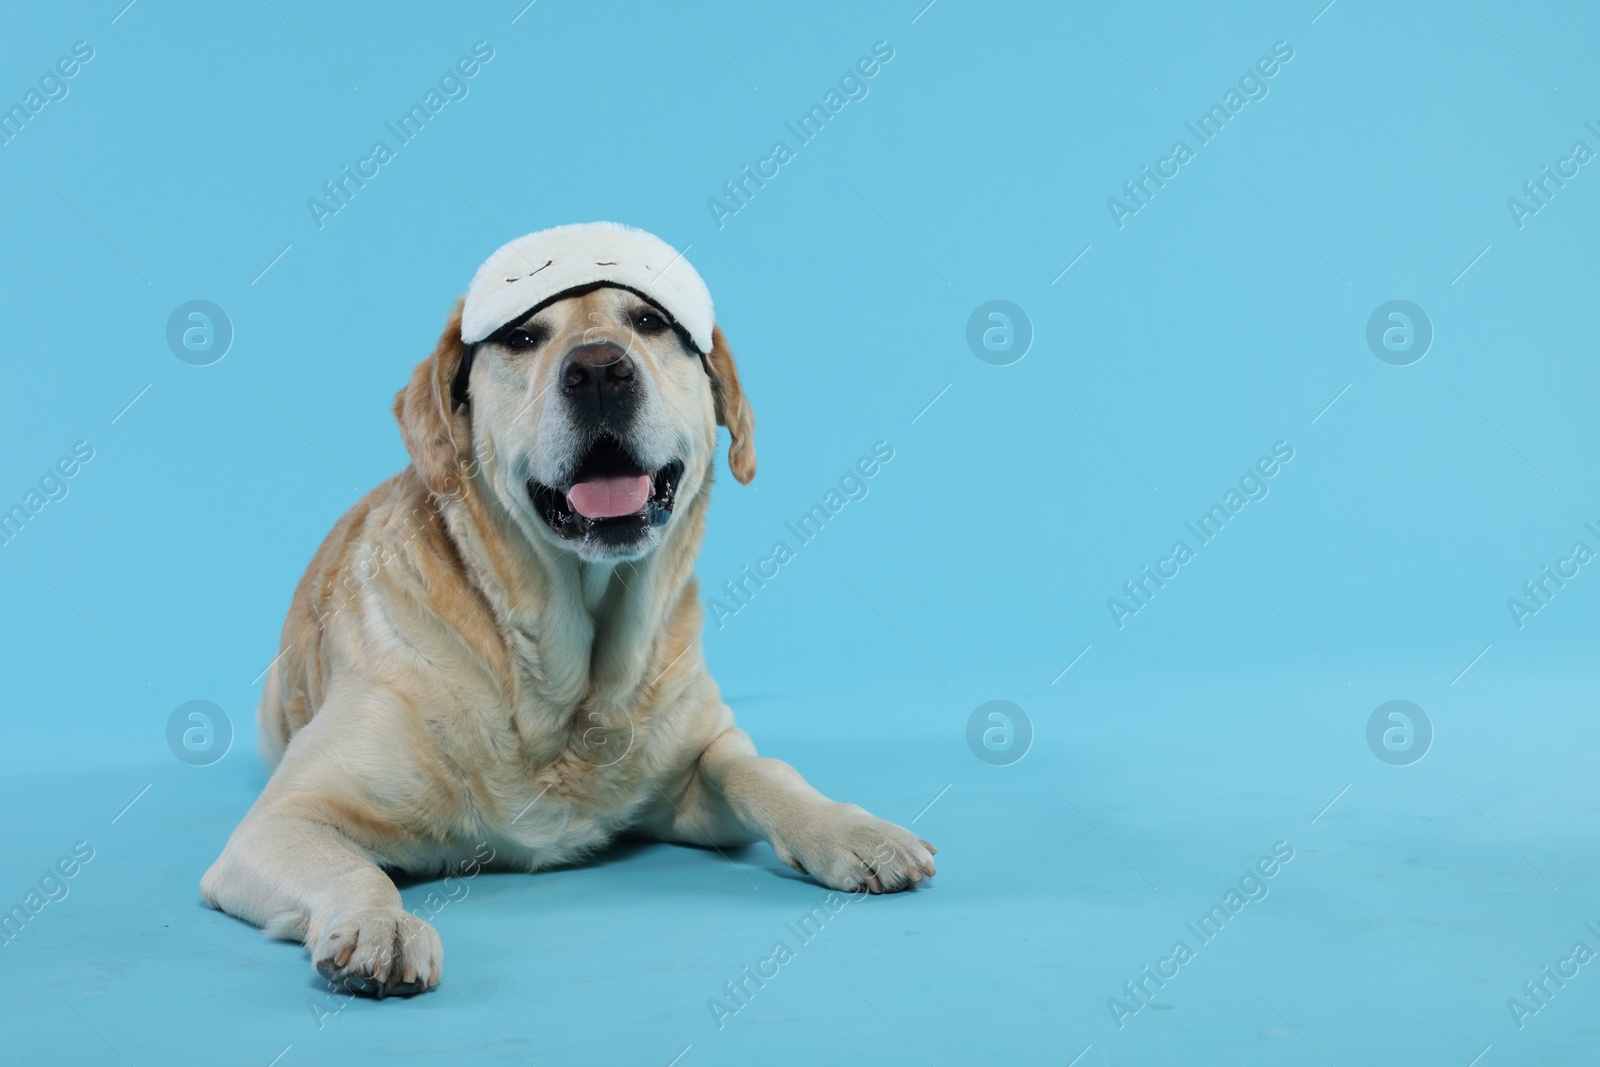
(456, 682)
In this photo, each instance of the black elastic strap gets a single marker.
(458, 387)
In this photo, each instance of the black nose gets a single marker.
(599, 381)
(602, 369)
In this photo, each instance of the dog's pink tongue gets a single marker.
(605, 498)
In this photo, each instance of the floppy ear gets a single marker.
(436, 428)
(733, 411)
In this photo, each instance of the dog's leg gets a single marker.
(734, 796)
(288, 869)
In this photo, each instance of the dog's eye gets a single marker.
(648, 321)
(520, 340)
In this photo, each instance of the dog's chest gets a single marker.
(576, 777)
(559, 811)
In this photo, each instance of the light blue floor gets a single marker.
(1412, 909)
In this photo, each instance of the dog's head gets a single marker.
(592, 418)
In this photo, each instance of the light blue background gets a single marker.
(1224, 317)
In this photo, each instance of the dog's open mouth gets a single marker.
(610, 496)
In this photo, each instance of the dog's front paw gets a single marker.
(845, 847)
(380, 952)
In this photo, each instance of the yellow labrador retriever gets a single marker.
(497, 651)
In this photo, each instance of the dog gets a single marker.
(494, 658)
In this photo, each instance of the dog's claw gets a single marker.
(379, 952)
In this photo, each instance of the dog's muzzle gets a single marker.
(601, 388)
